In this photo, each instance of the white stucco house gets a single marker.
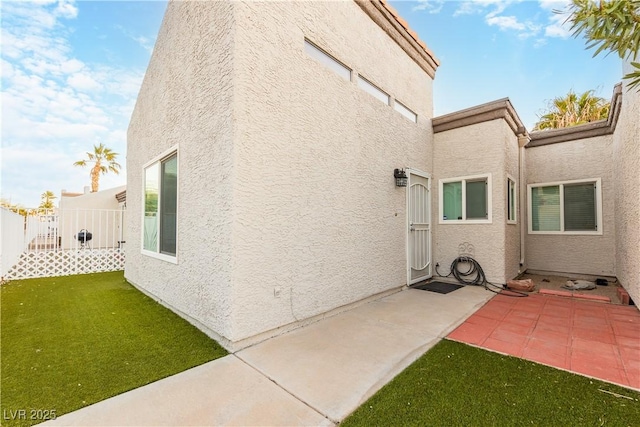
(261, 159)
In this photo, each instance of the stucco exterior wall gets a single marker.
(186, 101)
(626, 175)
(487, 147)
(573, 160)
(512, 231)
(318, 221)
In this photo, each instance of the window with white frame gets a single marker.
(465, 199)
(400, 108)
(327, 60)
(372, 89)
(512, 201)
(569, 207)
(161, 207)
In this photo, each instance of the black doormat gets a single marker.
(439, 287)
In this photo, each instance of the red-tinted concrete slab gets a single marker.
(544, 323)
(630, 342)
(560, 338)
(552, 355)
(522, 329)
(493, 313)
(470, 333)
(506, 335)
(504, 347)
(584, 336)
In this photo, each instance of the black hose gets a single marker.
(469, 272)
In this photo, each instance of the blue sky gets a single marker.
(71, 71)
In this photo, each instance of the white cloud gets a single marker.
(506, 22)
(539, 43)
(558, 14)
(430, 6)
(547, 23)
(557, 27)
(145, 42)
(71, 66)
(554, 4)
(56, 105)
(66, 9)
(83, 81)
(470, 7)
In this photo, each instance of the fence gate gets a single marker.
(73, 241)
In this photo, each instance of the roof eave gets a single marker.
(588, 130)
(499, 109)
(397, 28)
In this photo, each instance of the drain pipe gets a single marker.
(523, 139)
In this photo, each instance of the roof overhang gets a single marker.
(587, 130)
(398, 29)
(500, 109)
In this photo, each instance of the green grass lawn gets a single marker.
(68, 342)
(459, 385)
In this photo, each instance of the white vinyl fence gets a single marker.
(72, 241)
(12, 239)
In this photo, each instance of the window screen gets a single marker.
(580, 207)
(545, 208)
(452, 193)
(476, 199)
(169, 205)
(161, 206)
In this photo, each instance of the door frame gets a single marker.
(427, 176)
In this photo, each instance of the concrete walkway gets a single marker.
(316, 375)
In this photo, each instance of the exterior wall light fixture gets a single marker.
(401, 177)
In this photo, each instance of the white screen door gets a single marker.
(419, 227)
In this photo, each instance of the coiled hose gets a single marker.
(469, 272)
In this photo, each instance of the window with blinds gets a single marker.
(466, 199)
(580, 207)
(567, 207)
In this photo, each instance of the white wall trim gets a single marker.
(441, 182)
(598, 183)
(167, 153)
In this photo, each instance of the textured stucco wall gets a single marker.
(186, 100)
(572, 160)
(318, 222)
(626, 175)
(487, 147)
(287, 204)
(512, 231)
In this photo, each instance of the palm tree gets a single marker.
(609, 26)
(47, 200)
(104, 161)
(573, 109)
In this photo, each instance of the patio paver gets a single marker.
(589, 338)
